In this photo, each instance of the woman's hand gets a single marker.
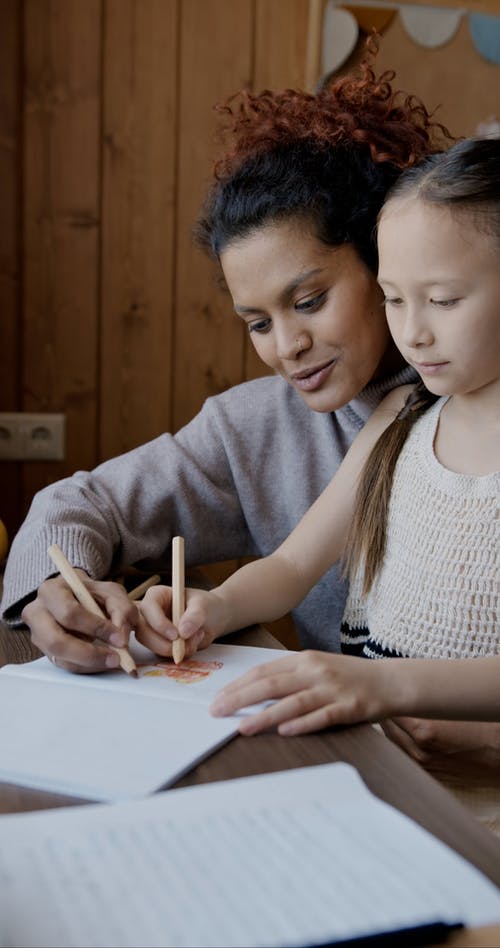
(312, 691)
(201, 622)
(467, 750)
(67, 633)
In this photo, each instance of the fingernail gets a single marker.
(117, 638)
(112, 660)
(217, 708)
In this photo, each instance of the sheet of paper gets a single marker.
(288, 859)
(107, 747)
(196, 680)
(112, 737)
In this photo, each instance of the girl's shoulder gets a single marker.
(395, 400)
(390, 406)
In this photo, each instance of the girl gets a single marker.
(423, 550)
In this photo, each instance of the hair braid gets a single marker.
(367, 539)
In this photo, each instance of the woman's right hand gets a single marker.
(67, 633)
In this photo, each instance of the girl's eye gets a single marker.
(260, 325)
(392, 301)
(311, 305)
(445, 303)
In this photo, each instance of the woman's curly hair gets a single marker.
(329, 157)
(355, 110)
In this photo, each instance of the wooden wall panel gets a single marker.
(281, 38)
(10, 309)
(139, 150)
(215, 61)
(454, 77)
(106, 118)
(475, 6)
(281, 28)
(62, 47)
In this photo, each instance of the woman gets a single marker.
(303, 178)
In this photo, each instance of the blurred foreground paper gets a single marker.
(302, 857)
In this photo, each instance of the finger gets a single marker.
(268, 671)
(317, 720)
(194, 620)
(156, 607)
(115, 602)
(249, 692)
(70, 652)
(399, 736)
(291, 707)
(56, 599)
(157, 643)
(78, 669)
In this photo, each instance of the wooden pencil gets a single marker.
(88, 602)
(138, 591)
(178, 595)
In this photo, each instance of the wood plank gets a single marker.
(281, 62)
(10, 304)
(62, 45)
(473, 6)
(140, 129)
(215, 49)
(453, 79)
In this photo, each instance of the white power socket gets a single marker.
(27, 436)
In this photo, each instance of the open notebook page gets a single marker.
(112, 737)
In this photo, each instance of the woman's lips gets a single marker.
(310, 380)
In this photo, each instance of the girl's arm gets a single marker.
(314, 690)
(270, 587)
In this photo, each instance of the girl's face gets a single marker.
(314, 313)
(441, 278)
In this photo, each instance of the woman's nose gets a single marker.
(291, 343)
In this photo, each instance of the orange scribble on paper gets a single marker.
(186, 673)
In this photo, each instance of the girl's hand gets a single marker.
(200, 624)
(314, 690)
(66, 632)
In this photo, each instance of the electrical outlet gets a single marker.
(27, 436)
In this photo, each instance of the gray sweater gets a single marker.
(234, 482)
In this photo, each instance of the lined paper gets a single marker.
(295, 858)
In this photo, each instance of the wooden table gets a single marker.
(387, 771)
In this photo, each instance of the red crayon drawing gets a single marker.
(186, 673)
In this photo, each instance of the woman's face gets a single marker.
(314, 313)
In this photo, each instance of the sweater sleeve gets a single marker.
(129, 508)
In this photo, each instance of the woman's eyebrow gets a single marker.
(285, 295)
(295, 284)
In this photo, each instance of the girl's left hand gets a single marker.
(314, 690)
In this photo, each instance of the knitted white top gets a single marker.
(437, 594)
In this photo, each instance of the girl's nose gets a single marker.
(416, 330)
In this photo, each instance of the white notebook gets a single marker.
(302, 857)
(110, 737)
